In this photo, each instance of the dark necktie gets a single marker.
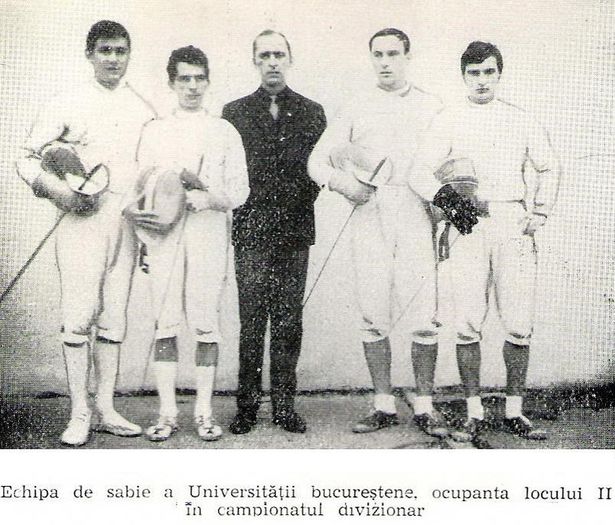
(274, 109)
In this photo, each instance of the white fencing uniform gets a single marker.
(96, 253)
(188, 267)
(502, 141)
(392, 242)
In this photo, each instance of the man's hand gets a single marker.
(460, 211)
(77, 203)
(347, 185)
(351, 156)
(191, 180)
(148, 220)
(63, 197)
(198, 200)
(84, 204)
(532, 222)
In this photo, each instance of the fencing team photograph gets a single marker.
(302, 273)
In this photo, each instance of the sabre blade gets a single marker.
(339, 235)
(378, 168)
(89, 176)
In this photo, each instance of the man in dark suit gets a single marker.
(273, 230)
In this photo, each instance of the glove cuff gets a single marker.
(444, 195)
(335, 182)
(39, 189)
(461, 212)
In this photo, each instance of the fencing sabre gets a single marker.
(36, 251)
(43, 241)
(339, 235)
(418, 290)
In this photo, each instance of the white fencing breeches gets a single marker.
(496, 252)
(188, 270)
(95, 256)
(394, 264)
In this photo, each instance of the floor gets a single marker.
(37, 422)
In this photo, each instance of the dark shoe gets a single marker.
(471, 432)
(431, 425)
(522, 427)
(375, 421)
(242, 424)
(291, 422)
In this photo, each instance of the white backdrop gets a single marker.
(558, 63)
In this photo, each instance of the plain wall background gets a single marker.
(558, 63)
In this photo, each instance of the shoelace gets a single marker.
(206, 422)
(83, 417)
(166, 422)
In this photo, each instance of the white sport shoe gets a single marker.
(207, 428)
(113, 423)
(163, 429)
(77, 432)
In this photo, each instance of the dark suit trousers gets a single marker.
(271, 284)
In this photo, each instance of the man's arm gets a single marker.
(147, 147)
(48, 127)
(336, 134)
(544, 160)
(228, 114)
(434, 148)
(237, 186)
(318, 128)
(231, 188)
(327, 166)
(433, 175)
(297, 152)
(312, 134)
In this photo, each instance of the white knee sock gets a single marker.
(106, 360)
(77, 359)
(423, 405)
(475, 407)
(385, 403)
(165, 373)
(205, 380)
(513, 406)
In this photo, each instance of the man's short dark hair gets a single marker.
(268, 32)
(189, 55)
(391, 31)
(105, 29)
(478, 52)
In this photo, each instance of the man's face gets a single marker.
(189, 85)
(110, 60)
(482, 80)
(272, 59)
(389, 61)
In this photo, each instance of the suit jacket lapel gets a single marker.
(256, 114)
(260, 112)
(288, 114)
